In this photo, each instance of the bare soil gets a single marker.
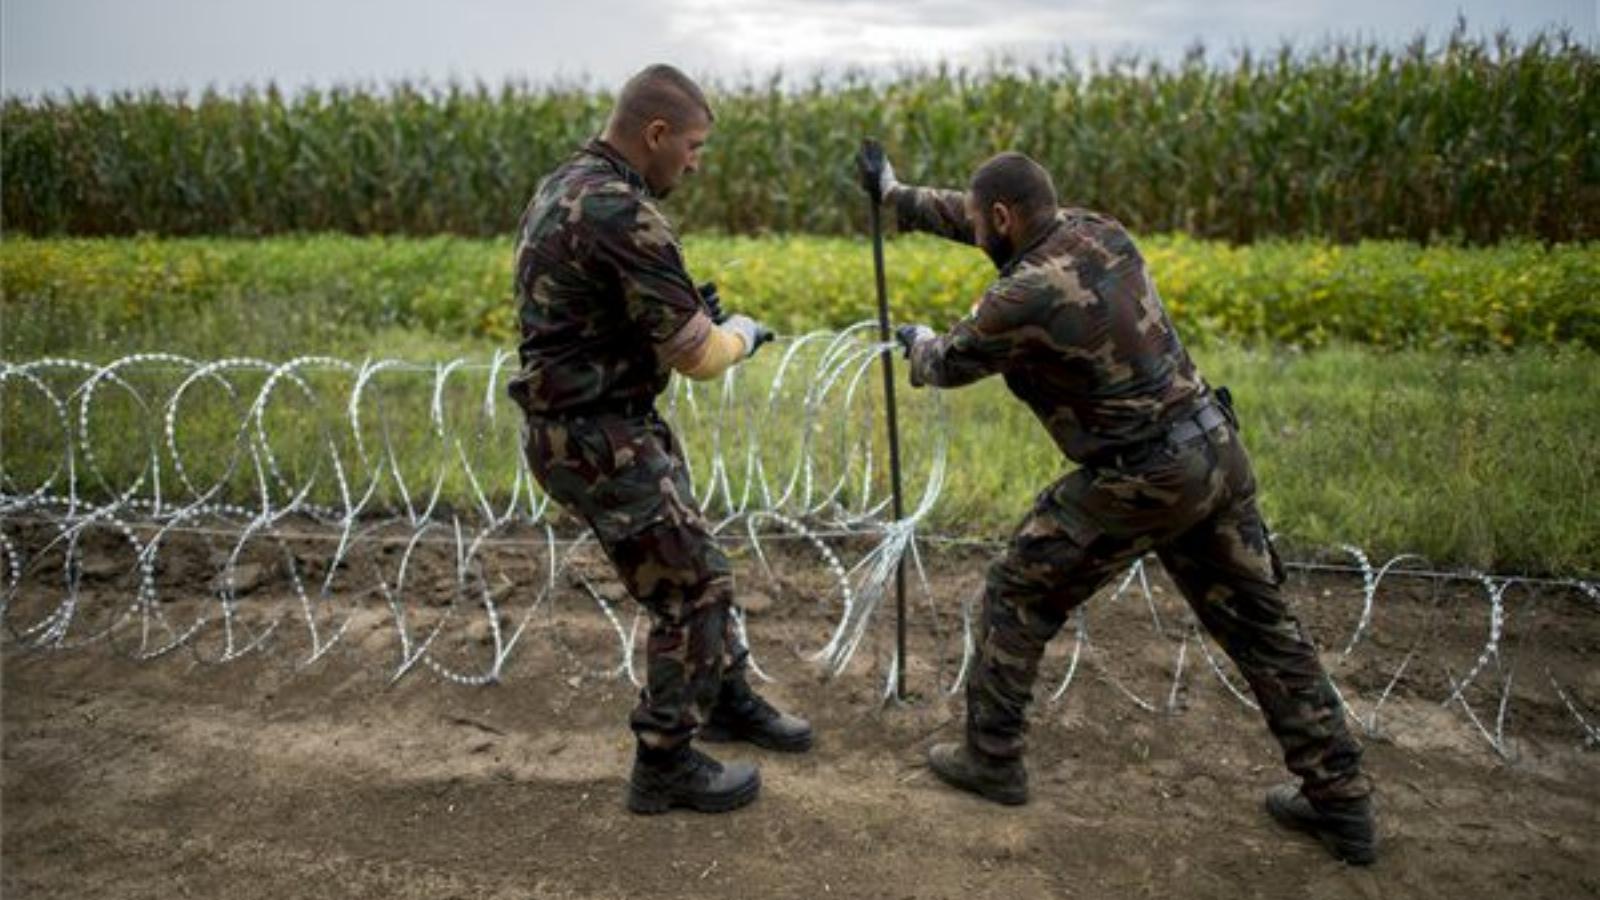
(180, 777)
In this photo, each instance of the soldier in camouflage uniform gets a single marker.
(607, 314)
(1074, 325)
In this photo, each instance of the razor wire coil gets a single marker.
(321, 451)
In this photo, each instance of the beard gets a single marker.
(998, 247)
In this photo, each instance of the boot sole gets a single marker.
(648, 804)
(1354, 854)
(716, 734)
(1002, 796)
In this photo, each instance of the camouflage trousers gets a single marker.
(624, 476)
(1194, 505)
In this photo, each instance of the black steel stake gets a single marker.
(894, 449)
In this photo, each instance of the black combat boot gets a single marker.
(1345, 827)
(684, 777)
(741, 714)
(1001, 780)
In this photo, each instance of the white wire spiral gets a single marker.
(331, 487)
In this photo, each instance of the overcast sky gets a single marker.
(55, 45)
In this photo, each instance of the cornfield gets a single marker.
(1470, 139)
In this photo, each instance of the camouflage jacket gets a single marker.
(1073, 323)
(604, 299)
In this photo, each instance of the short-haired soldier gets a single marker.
(607, 314)
(1074, 325)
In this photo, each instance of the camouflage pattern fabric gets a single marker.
(604, 301)
(625, 478)
(602, 291)
(1073, 323)
(1076, 328)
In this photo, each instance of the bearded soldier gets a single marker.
(1074, 325)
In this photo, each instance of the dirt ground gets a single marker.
(257, 778)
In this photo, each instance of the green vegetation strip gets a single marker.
(1486, 461)
(80, 295)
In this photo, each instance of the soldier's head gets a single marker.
(659, 123)
(1010, 198)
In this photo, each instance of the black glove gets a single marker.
(911, 335)
(713, 301)
(872, 165)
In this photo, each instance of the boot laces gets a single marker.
(745, 703)
(700, 761)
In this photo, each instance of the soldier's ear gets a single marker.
(1000, 215)
(655, 133)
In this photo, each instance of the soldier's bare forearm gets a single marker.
(715, 355)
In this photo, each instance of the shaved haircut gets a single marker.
(660, 92)
(1018, 182)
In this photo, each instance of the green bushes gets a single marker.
(1468, 138)
(77, 294)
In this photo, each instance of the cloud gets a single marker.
(854, 32)
(875, 33)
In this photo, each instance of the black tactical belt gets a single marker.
(1190, 428)
(1209, 416)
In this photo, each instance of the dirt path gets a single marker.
(179, 779)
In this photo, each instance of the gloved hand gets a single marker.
(872, 165)
(754, 333)
(911, 335)
(713, 301)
